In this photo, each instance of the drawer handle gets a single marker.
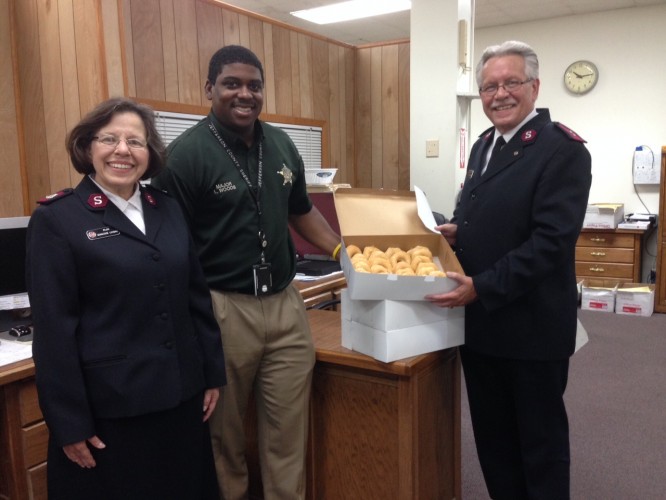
(598, 240)
(597, 269)
(598, 254)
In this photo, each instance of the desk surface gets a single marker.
(325, 326)
(16, 371)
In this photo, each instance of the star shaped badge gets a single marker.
(287, 174)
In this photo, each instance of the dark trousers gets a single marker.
(520, 425)
(160, 456)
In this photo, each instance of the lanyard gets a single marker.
(255, 192)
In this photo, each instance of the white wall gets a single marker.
(627, 108)
(433, 109)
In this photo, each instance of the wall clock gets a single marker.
(581, 77)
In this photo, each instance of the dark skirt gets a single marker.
(162, 456)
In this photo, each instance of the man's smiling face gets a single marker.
(237, 97)
(507, 109)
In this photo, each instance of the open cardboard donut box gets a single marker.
(385, 219)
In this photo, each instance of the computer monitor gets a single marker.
(13, 289)
(325, 202)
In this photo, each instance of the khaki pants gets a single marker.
(268, 349)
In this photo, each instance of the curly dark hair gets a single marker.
(79, 138)
(229, 55)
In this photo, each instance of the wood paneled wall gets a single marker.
(382, 117)
(61, 57)
(59, 72)
(12, 176)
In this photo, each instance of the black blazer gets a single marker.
(123, 321)
(517, 229)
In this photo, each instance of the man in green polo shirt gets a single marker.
(241, 182)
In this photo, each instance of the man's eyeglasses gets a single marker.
(510, 86)
(112, 141)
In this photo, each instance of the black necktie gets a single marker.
(499, 144)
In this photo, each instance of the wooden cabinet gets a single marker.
(382, 430)
(23, 435)
(660, 293)
(613, 254)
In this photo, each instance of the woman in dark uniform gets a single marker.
(127, 353)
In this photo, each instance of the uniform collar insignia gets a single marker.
(55, 196)
(528, 136)
(287, 174)
(98, 200)
(149, 198)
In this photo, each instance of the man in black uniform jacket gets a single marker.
(514, 232)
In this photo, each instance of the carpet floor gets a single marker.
(616, 402)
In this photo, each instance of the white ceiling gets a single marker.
(396, 26)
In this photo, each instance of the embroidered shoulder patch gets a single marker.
(570, 133)
(50, 198)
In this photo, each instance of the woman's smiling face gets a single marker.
(119, 167)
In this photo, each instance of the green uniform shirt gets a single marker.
(221, 210)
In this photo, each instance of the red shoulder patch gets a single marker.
(570, 133)
(50, 198)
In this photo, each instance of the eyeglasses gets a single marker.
(112, 141)
(510, 86)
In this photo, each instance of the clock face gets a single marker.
(581, 77)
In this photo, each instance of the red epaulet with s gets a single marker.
(569, 133)
(50, 198)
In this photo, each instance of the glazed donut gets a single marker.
(391, 250)
(378, 269)
(368, 250)
(419, 259)
(377, 253)
(400, 256)
(362, 266)
(402, 265)
(358, 257)
(382, 261)
(440, 274)
(353, 250)
(424, 269)
(420, 250)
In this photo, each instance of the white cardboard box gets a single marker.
(388, 330)
(603, 215)
(392, 345)
(599, 295)
(390, 314)
(636, 299)
(391, 218)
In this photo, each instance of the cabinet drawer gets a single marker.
(37, 482)
(35, 443)
(616, 240)
(594, 254)
(604, 270)
(28, 403)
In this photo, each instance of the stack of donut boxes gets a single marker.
(385, 315)
(636, 299)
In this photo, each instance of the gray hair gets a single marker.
(508, 48)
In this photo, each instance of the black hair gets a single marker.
(229, 55)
